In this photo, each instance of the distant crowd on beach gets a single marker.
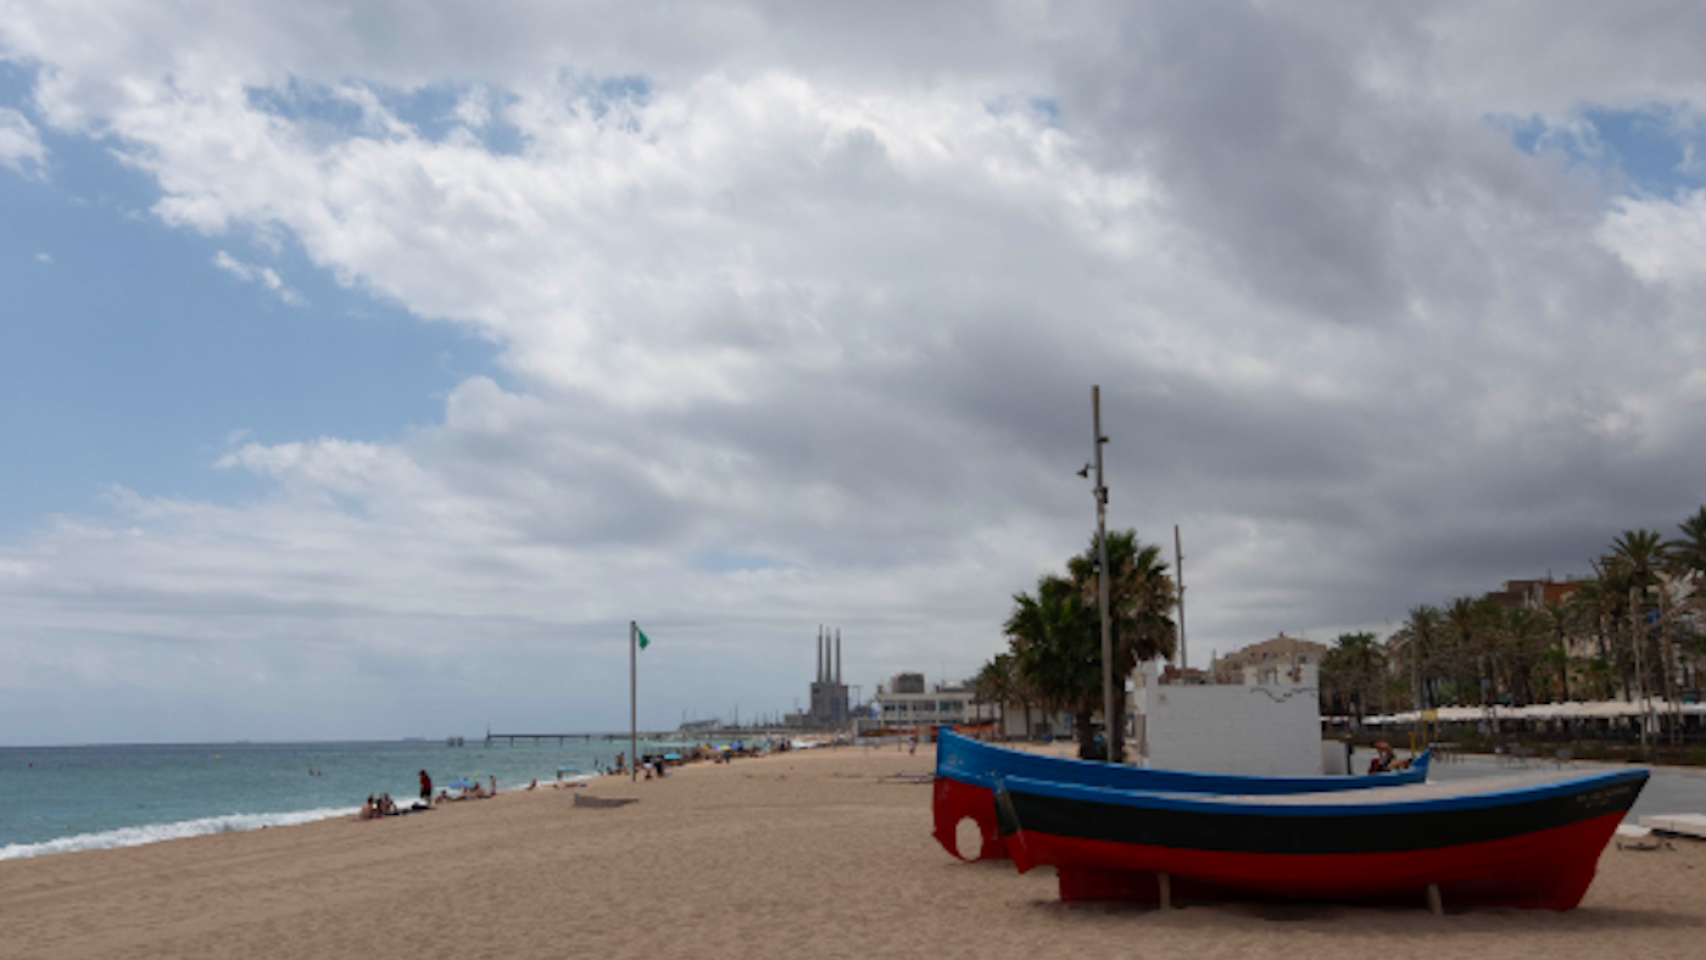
(652, 765)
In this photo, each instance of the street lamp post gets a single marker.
(1108, 718)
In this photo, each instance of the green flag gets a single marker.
(644, 640)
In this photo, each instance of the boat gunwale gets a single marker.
(1391, 801)
(1210, 783)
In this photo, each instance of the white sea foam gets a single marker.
(154, 832)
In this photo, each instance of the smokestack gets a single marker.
(820, 653)
(838, 656)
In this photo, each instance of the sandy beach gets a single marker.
(819, 854)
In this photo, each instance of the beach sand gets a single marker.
(813, 854)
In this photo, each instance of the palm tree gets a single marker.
(1353, 667)
(1557, 620)
(1685, 556)
(1685, 559)
(1594, 607)
(1640, 554)
(1417, 644)
(998, 682)
(1057, 649)
(1643, 552)
(1140, 601)
(1470, 646)
(1522, 643)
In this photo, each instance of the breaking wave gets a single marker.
(155, 832)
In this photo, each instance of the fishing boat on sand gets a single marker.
(1528, 841)
(967, 771)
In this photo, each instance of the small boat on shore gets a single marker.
(967, 771)
(1528, 841)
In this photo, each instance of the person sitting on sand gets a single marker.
(368, 810)
(1385, 760)
(443, 797)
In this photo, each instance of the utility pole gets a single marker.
(1179, 571)
(1108, 719)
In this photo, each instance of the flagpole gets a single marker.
(633, 699)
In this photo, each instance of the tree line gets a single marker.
(1632, 628)
(1053, 660)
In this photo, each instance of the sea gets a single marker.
(61, 799)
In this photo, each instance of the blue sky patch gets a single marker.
(1653, 151)
(119, 328)
(719, 560)
(430, 111)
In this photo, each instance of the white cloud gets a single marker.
(265, 276)
(20, 145)
(1660, 239)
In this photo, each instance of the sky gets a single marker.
(365, 368)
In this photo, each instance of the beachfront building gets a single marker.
(905, 701)
(1279, 660)
(1534, 594)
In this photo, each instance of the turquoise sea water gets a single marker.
(58, 799)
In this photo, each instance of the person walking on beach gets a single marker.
(426, 787)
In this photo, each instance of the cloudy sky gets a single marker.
(366, 367)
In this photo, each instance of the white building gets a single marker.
(905, 702)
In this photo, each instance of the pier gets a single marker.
(694, 736)
(562, 738)
(537, 737)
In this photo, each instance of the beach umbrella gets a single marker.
(459, 784)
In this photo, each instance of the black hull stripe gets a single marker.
(1255, 829)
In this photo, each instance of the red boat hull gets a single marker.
(957, 800)
(1549, 869)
